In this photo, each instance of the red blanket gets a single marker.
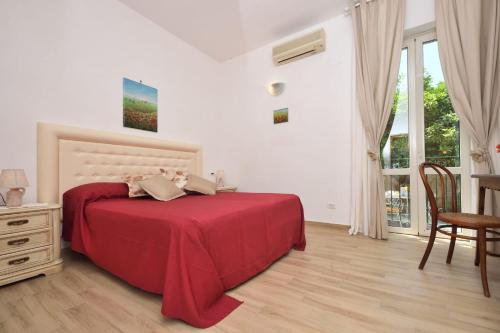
(190, 249)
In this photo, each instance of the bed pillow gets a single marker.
(134, 189)
(167, 173)
(178, 177)
(160, 188)
(200, 185)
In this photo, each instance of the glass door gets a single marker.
(422, 127)
(397, 150)
(441, 141)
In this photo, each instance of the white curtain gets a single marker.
(360, 211)
(378, 38)
(469, 38)
(469, 46)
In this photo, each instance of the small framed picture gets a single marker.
(280, 116)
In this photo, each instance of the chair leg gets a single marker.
(482, 260)
(476, 260)
(452, 244)
(432, 237)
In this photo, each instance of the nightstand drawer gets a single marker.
(20, 222)
(18, 261)
(24, 241)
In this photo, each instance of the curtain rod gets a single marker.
(347, 10)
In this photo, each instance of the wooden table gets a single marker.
(491, 182)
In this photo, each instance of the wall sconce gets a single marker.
(275, 88)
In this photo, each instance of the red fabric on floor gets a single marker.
(190, 249)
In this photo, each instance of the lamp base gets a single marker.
(15, 197)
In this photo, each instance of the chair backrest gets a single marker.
(442, 188)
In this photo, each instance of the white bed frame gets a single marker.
(70, 156)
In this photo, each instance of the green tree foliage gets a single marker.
(442, 134)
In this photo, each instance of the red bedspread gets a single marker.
(190, 249)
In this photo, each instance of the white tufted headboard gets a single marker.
(70, 156)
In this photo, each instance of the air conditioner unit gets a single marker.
(299, 48)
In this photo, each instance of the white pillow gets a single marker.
(134, 189)
(178, 177)
(200, 185)
(160, 188)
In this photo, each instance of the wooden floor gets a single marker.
(339, 284)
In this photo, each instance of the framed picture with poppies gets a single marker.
(140, 106)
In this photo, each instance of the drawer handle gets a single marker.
(18, 222)
(19, 261)
(18, 241)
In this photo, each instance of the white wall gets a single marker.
(309, 155)
(63, 61)
(419, 12)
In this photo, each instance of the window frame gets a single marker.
(414, 43)
(464, 170)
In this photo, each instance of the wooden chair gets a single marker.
(482, 224)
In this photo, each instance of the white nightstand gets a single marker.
(30, 242)
(227, 189)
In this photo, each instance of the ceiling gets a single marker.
(224, 29)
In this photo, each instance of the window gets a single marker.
(441, 125)
(422, 127)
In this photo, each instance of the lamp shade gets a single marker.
(13, 178)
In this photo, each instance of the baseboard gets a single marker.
(329, 225)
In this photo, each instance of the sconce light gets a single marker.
(276, 88)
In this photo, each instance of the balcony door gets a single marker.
(422, 127)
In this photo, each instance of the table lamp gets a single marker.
(15, 180)
(219, 178)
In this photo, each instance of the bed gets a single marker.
(190, 250)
